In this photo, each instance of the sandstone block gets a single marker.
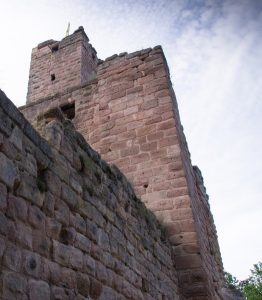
(8, 171)
(78, 222)
(68, 278)
(41, 243)
(3, 194)
(53, 182)
(62, 212)
(49, 204)
(38, 289)
(36, 217)
(2, 247)
(4, 226)
(61, 253)
(89, 265)
(83, 284)
(29, 190)
(13, 258)
(53, 228)
(17, 208)
(95, 288)
(69, 196)
(14, 286)
(83, 243)
(59, 293)
(24, 235)
(188, 261)
(55, 272)
(76, 258)
(31, 263)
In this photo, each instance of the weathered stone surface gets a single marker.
(29, 190)
(36, 217)
(38, 290)
(8, 171)
(13, 258)
(17, 208)
(14, 286)
(3, 193)
(31, 263)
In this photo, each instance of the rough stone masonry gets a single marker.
(71, 225)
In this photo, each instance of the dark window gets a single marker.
(69, 110)
(54, 48)
(52, 77)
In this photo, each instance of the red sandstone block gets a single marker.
(144, 114)
(140, 140)
(108, 140)
(160, 170)
(167, 141)
(128, 169)
(118, 107)
(146, 130)
(165, 185)
(125, 120)
(171, 132)
(116, 115)
(176, 174)
(149, 146)
(155, 136)
(134, 150)
(182, 201)
(134, 101)
(175, 192)
(145, 79)
(131, 110)
(135, 89)
(188, 261)
(140, 158)
(166, 124)
(162, 93)
(152, 120)
(118, 145)
(163, 204)
(111, 156)
(123, 161)
(134, 125)
(181, 214)
(126, 135)
(149, 104)
(118, 129)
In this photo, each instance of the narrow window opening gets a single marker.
(69, 110)
(54, 48)
(52, 77)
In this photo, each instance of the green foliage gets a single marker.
(252, 287)
(231, 281)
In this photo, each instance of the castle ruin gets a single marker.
(72, 226)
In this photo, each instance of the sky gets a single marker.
(214, 52)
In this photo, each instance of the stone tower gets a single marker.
(56, 66)
(126, 109)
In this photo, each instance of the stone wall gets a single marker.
(71, 226)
